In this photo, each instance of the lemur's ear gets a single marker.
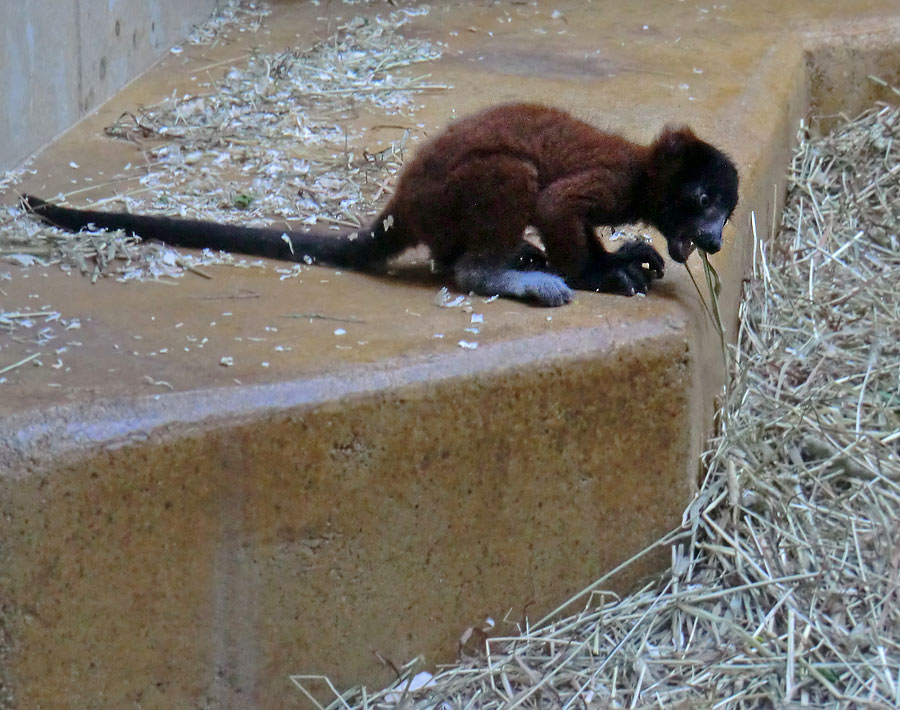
(672, 142)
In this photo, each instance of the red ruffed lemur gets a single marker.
(470, 192)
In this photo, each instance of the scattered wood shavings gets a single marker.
(235, 16)
(265, 142)
(21, 362)
(444, 299)
(158, 383)
(36, 329)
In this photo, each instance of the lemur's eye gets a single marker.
(703, 200)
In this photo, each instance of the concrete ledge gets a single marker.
(352, 516)
(196, 547)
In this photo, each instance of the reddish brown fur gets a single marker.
(476, 186)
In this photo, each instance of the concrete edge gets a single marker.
(40, 439)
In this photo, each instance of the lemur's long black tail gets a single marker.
(357, 249)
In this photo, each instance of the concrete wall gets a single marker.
(59, 59)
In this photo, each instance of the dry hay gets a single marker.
(268, 141)
(784, 578)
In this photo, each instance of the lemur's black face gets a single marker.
(700, 194)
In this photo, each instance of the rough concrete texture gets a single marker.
(60, 60)
(194, 547)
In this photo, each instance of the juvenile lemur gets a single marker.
(470, 192)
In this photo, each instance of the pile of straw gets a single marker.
(783, 589)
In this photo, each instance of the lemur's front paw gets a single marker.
(628, 271)
(543, 289)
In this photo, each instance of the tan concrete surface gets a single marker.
(194, 546)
